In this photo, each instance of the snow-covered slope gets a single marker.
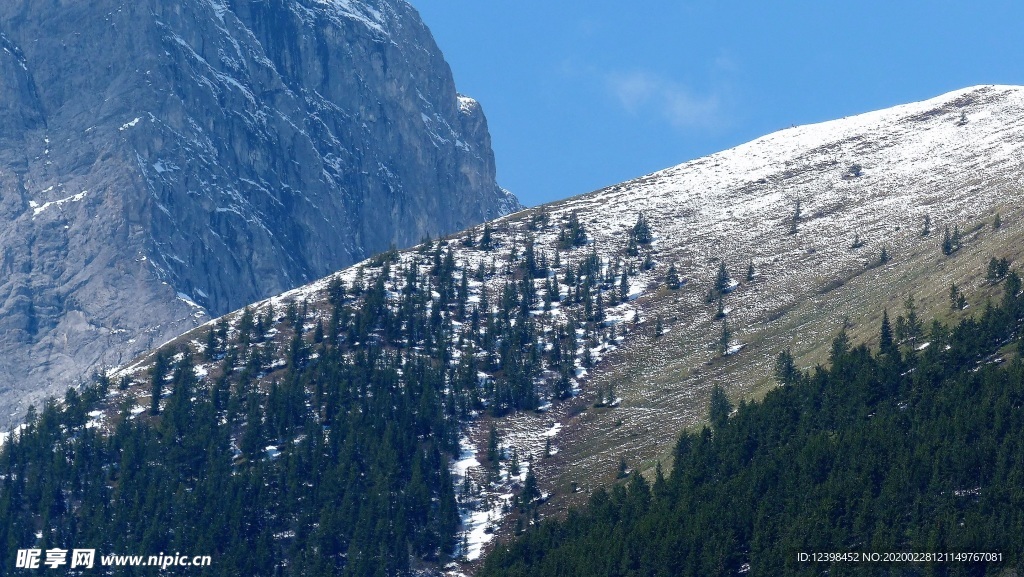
(916, 159)
(955, 160)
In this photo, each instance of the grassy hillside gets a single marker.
(665, 382)
(909, 450)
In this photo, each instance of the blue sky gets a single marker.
(581, 95)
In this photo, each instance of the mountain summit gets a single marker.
(163, 162)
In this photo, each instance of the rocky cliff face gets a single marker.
(161, 162)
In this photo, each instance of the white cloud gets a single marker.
(684, 110)
(633, 89)
(641, 92)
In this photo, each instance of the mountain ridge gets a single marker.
(696, 227)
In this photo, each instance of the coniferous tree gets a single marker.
(318, 332)
(493, 453)
(563, 385)
(927, 228)
(951, 242)
(570, 276)
(573, 233)
(993, 266)
(672, 280)
(538, 220)
(531, 492)
(885, 337)
(1011, 290)
(909, 326)
(721, 279)
(157, 374)
(513, 463)
(785, 368)
(245, 327)
(795, 218)
(957, 299)
(997, 269)
(486, 238)
(750, 271)
(631, 247)
(1002, 267)
(210, 348)
(719, 408)
(252, 443)
(724, 338)
(588, 302)
(530, 259)
(642, 230)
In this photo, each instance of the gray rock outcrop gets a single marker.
(162, 162)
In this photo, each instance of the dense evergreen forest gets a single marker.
(316, 437)
(918, 447)
(362, 486)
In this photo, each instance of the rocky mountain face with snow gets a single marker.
(164, 162)
(798, 220)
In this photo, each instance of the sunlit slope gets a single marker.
(871, 181)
